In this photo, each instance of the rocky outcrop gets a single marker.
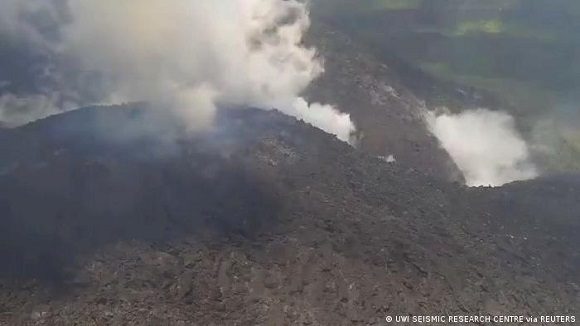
(264, 221)
(389, 117)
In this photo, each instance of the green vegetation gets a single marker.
(492, 26)
(524, 52)
(391, 4)
(530, 43)
(520, 94)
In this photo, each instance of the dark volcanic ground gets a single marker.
(387, 100)
(262, 221)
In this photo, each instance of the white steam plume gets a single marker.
(193, 55)
(323, 116)
(15, 110)
(485, 145)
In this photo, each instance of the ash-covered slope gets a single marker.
(389, 116)
(262, 221)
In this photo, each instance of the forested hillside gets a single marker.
(525, 53)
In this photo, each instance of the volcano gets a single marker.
(280, 162)
(263, 220)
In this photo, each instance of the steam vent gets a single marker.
(289, 162)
